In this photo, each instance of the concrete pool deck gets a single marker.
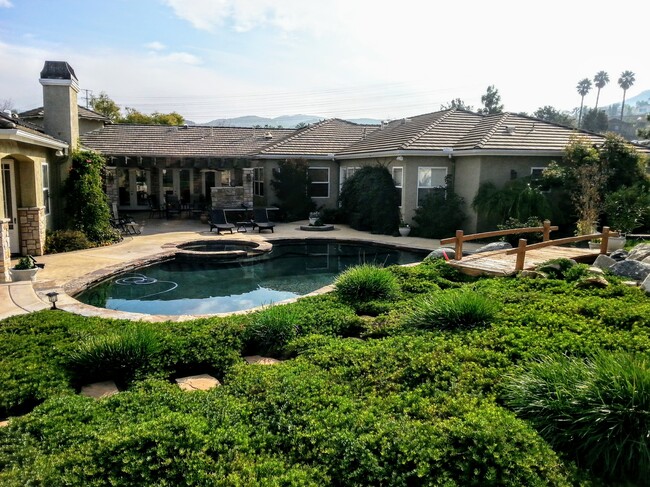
(68, 273)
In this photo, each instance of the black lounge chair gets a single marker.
(261, 220)
(218, 221)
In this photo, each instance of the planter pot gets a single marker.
(23, 274)
(312, 221)
(404, 231)
(615, 243)
(594, 245)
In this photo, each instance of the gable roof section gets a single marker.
(14, 128)
(181, 141)
(324, 139)
(84, 113)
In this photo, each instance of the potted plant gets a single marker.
(625, 209)
(24, 270)
(404, 228)
(594, 244)
(314, 216)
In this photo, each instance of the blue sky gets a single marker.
(211, 59)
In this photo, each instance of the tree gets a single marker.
(291, 185)
(7, 104)
(106, 106)
(625, 82)
(595, 120)
(491, 101)
(457, 103)
(550, 114)
(584, 85)
(600, 80)
(645, 133)
(134, 116)
(301, 125)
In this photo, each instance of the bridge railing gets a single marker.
(460, 237)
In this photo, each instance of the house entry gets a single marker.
(134, 187)
(9, 203)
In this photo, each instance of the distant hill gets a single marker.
(286, 121)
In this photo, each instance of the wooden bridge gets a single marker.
(523, 257)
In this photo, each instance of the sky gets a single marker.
(208, 59)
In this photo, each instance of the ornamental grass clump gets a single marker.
(272, 329)
(365, 283)
(451, 309)
(121, 355)
(596, 409)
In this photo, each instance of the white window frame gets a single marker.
(399, 186)
(436, 168)
(320, 182)
(258, 181)
(344, 173)
(538, 168)
(45, 176)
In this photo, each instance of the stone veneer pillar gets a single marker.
(112, 191)
(248, 185)
(32, 230)
(5, 258)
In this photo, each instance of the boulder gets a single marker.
(604, 262)
(645, 285)
(493, 246)
(619, 255)
(439, 253)
(201, 382)
(259, 360)
(639, 252)
(533, 274)
(99, 390)
(592, 281)
(631, 268)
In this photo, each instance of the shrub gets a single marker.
(291, 185)
(271, 330)
(556, 268)
(451, 309)
(597, 410)
(364, 283)
(119, 355)
(66, 241)
(512, 223)
(440, 214)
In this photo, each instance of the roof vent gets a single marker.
(405, 120)
(511, 129)
(7, 112)
(268, 135)
(363, 135)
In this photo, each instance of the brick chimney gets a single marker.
(60, 109)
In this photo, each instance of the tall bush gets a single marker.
(291, 185)
(371, 201)
(86, 202)
(441, 214)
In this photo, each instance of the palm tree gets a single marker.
(584, 85)
(600, 80)
(625, 82)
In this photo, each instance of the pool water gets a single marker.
(180, 287)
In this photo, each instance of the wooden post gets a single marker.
(547, 230)
(459, 245)
(604, 240)
(521, 255)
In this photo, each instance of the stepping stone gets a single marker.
(259, 360)
(99, 390)
(201, 382)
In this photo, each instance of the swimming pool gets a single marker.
(185, 287)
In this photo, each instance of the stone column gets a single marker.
(5, 258)
(32, 230)
(111, 185)
(248, 185)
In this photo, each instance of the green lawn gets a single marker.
(404, 391)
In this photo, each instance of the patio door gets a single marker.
(179, 182)
(133, 186)
(9, 203)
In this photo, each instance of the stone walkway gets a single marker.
(68, 273)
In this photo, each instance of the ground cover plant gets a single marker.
(357, 400)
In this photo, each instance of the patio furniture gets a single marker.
(172, 205)
(261, 220)
(154, 206)
(124, 223)
(218, 220)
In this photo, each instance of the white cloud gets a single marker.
(5, 4)
(184, 57)
(155, 46)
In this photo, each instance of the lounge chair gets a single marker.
(261, 220)
(125, 224)
(218, 220)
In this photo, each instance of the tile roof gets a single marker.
(321, 139)
(181, 141)
(7, 122)
(83, 113)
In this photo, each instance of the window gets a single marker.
(398, 178)
(347, 172)
(536, 172)
(537, 175)
(46, 187)
(430, 180)
(320, 182)
(258, 181)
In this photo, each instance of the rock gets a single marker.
(631, 268)
(439, 253)
(596, 270)
(639, 252)
(259, 360)
(619, 255)
(99, 390)
(533, 274)
(645, 285)
(493, 246)
(201, 382)
(592, 282)
(4, 423)
(604, 262)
